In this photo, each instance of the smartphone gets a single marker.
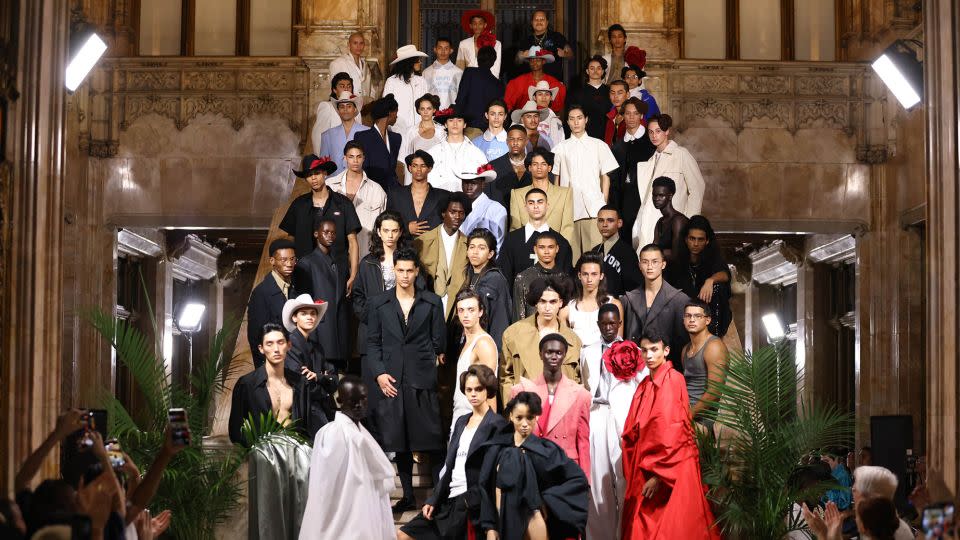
(938, 521)
(115, 454)
(180, 430)
(91, 420)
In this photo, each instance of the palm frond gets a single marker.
(210, 373)
(265, 428)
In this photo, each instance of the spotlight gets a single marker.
(902, 72)
(771, 322)
(190, 317)
(87, 52)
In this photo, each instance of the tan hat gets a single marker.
(348, 97)
(303, 301)
(528, 107)
(407, 51)
(542, 86)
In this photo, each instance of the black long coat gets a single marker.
(400, 200)
(265, 306)
(623, 181)
(489, 426)
(318, 399)
(369, 283)
(323, 279)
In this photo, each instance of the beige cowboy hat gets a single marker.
(407, 51)
(542, 86)
(348, 97)
(538, 52)
(295, 304)
(484, 171)
(528, 107)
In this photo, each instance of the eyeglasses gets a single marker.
(631, 77)
(693, 316)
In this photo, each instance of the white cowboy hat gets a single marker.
(542, 86)
(348, 97)
(538, 52)
(407, 51)
(528, 107)
(303, 301)
(484, 171)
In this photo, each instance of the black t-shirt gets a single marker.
(552, 41)
(299, 220)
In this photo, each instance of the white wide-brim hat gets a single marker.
(542, 86)
(484, 172)
(529, 107)
(347, 97)
(538, 52)
(303, 301)
(407, 51)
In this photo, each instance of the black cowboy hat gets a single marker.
(311, 164)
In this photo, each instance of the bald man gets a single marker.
(354, 64)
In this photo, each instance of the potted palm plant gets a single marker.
(765, 432)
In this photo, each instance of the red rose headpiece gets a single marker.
(486, 39)
(484, 168)
(636, 57)
(315, 164)
(623, 359)
(443, 113)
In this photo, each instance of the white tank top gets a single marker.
(584, 323)
(460, 404)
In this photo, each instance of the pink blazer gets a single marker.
(569, 423)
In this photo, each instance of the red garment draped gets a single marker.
(516, 94)
(658, 440)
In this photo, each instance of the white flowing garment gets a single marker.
(350, 483)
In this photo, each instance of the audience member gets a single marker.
(335, 139)
(656, 306)
(443, 249)
(661, 464)
(704, 360)
(267, 299)
(478, 87)
(841, 496)
(547, 39)
(327, 114)
(406, 337)
(443, 76)
(493, 141)
(406, 85)
(453, 155)
(546, 247)
(584, 164)
(593, 96)
(368, 198)
(519, 353)
(452, 508)
(612, 394)
(355, 65)
(479, 25)
(381, 145)
(488, 281)
(518, 253)
(345, 450)
(485, 212)
(671, 160)
(417, 202)
(520, 467)
(566, 404)
(620, 262)
(536, 57)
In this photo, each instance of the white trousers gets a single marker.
(606, 473)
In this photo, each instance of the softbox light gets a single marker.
(85, 51)
(902, 72)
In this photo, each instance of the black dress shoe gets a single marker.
(404, 504)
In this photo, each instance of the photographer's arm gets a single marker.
(147, 488)
(67, 423)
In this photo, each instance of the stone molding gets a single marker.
(140, 242)
(124, 89)
(832, 249)
(797, 95)
(194, 260)
(775, 264)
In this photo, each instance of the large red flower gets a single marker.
(636, 57)
(623, 359)
(486, 39)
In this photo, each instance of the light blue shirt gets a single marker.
(488, 214)
(492, 146)
(334, 139)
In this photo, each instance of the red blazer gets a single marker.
(569, 422)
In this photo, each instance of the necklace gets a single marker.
(517, 162)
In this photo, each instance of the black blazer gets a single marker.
(478, 87)
(325, 279)
(408, 352)
(369, 284)
(250, 396)
(596, 101)
(623, 181)
(665, 316)
(492, 285)
(266, 305)
(499, 189)
(621, 267)
(515, 255)
(379, 163)
(400, 200)
(491, 423)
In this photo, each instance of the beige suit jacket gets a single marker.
(428, 245)
(520, 354)
(559, 213)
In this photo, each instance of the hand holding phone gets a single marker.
(115, 455)
(938, 521)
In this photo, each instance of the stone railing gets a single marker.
(121, 90)
(786, 95)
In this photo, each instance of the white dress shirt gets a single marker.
(579, 162)
(450, 158)
(370, 201)
(529, 229)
